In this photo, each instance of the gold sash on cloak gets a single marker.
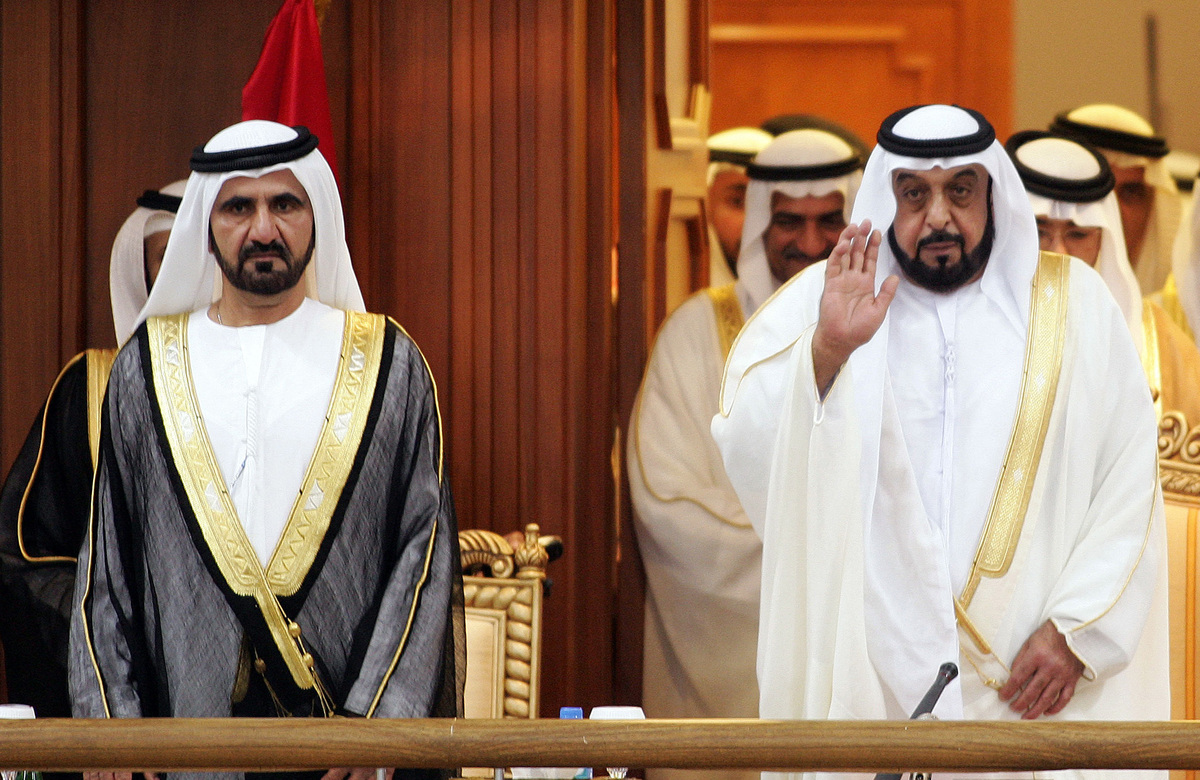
(1174, 306)
(1010, 502)
(332, 460)
(1151, 364)
(729, 316)
(99, 366)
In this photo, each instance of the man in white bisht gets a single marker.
(272, 530)
(729, 152)
(700, 553)
(1151, 206)
(946, 442)
(1070, 187)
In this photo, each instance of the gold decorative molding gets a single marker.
(518, 601)
(503, 581)
(1179, 459)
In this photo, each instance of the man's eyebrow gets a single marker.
(904, 176)
(288, 196)
(971, 172)
(234, 200)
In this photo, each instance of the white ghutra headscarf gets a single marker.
(189, 279)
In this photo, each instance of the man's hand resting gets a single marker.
(1044, 674)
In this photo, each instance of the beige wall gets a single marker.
(1071, 52)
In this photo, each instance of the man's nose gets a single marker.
(938, 215)
(262, 226)
(810, 241)
(1057, 244)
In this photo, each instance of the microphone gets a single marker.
(947, 672)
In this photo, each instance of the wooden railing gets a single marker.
(283, 744)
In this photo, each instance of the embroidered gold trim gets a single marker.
(358, 368)
(1043, 362)
(99, 366)
(337, 446)
(729, 316)
(1174, 307)
(1150, 357)
(968, 626)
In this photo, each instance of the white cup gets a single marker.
(617, 713)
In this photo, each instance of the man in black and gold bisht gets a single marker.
(45, 502)
(273, 533)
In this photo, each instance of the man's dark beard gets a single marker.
(248, 275)
(943, 279)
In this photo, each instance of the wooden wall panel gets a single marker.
(858, 62)
(481, 130)
(41, 225)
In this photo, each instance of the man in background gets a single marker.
(1071, 190)
(729, 152)
(1147, 194)
(46, 497)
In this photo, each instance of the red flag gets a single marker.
(288, 84)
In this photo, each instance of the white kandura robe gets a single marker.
(857, 607)
(264, 391)
(701, 556)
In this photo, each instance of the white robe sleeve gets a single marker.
(1104, 594)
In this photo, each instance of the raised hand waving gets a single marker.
(851, 312)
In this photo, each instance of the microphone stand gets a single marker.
(946, 673)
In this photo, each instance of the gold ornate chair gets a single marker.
(1179, 473)
(502, 586)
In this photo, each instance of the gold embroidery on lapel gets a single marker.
(1043, 362)
(353, 391)
(729, 316)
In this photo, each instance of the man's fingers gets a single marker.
(1016, 681)
(1029, 693)
(1064, 696)
(858, 248)
(336, 774)
(871, 254)
(1048, 698)
(841, 250)
(887, 291)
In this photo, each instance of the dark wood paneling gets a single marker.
(41, 224)
(482, 130)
